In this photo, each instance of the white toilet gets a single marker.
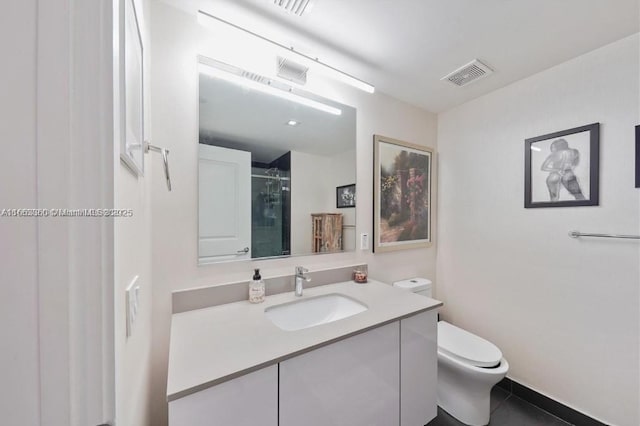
(468, 366)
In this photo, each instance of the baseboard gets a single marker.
(505, 384)
(549, 405)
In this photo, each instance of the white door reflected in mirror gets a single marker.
(224, 189)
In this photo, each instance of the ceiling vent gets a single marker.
(292, 71)
(473, 71)
(295, 7)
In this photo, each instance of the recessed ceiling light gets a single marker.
(292, 123)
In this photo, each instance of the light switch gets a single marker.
(132, 304)
(364, 241)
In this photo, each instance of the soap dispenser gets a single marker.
(256, 288)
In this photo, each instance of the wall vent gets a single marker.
(292, 71)
(295, 7)
(254, 77)
(473, 71)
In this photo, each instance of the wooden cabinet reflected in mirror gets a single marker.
(327, 232)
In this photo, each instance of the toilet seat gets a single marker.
(467, 347)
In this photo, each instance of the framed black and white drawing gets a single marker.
(346, 196)
(562, 168)
(637, 156)
(132, 92)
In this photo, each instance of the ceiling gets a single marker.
(234, 117)
(404, 47)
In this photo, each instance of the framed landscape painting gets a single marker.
(401, 195)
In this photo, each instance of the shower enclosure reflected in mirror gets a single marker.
(269, 167)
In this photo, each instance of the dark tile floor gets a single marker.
(506, 410)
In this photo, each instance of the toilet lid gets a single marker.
(467, 347)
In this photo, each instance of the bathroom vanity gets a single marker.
(231, 365)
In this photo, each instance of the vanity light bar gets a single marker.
(299, 57)
(263, 85)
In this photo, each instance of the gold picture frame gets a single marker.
(402, 195)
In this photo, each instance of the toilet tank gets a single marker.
(420, 286)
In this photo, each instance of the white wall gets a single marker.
(19, 359)
(308, 195)
(340, 173)
(132, 248)
(56, 319)
(564, 311)
(314, 179)
(176, 41)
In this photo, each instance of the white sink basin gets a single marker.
(309, 312)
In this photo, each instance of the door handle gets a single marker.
(243, 251)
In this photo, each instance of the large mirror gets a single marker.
(276, 170)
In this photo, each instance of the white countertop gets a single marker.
(212, 345)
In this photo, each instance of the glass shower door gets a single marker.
(270, 214)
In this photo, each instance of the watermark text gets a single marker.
(66, 212)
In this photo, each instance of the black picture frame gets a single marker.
(563, 184)
(343, 202)
(637, 156)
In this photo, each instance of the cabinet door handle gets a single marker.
(243, 251)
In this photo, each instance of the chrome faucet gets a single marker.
(300, 279)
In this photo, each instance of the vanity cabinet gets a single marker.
(384, 376)
(353, 382)
(418, 368)
(248, 400)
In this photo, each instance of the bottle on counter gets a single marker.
(256, 288)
